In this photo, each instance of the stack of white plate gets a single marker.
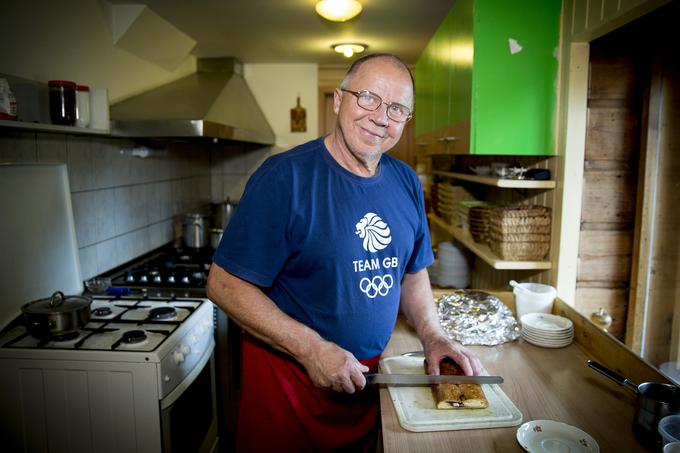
(548, 331)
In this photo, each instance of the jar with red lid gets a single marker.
(62, 102)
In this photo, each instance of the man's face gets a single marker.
(369, 134)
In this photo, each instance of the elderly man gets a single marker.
(329, 241)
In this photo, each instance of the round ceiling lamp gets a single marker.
(349, 49)
(338, 10)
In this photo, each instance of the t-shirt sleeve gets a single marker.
(254, 246)
(422, 255)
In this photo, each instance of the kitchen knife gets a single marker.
(428, 379)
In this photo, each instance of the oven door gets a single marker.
(188, 413)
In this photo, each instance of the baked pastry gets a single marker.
(457, 396)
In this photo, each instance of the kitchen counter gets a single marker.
(553, 384)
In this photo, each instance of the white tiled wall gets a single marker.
(126, 206)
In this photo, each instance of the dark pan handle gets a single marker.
(613, 375)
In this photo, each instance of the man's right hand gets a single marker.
(330, 366)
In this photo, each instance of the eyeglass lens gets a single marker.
(371, 101)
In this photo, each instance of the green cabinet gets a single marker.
(487, 81)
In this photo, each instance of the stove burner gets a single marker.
(65, 337)
(133, 336)
(102, 311)
(162, 313)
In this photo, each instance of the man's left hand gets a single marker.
(438, 349)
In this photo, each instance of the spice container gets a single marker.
(62, 102)
(8, 103)
(82, 106)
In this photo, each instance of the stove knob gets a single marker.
(185, 280)
(157, 279)
(130, 278)
(171, 279)
(143, 279)
(178, 357)
(184, 349)
(166, 378)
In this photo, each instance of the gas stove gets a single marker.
(169, 268)
(122, 324)
(127, 377)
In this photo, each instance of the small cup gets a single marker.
(669, 428)
(672, 447)
(98, 285)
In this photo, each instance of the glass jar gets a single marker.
(82, 106)
(62, 102)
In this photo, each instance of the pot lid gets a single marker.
(57, 303)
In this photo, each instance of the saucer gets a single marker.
(540, 436)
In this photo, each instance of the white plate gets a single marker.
(544, 344)
(556, 341)
(547, 334)
(545, 321)
(540, 436)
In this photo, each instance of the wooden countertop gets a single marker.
(553, 384)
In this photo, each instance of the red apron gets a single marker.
(282, 410)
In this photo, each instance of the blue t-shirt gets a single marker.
(330, 248)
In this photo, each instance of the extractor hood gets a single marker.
(214, 103)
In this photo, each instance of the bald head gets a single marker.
(398, 62)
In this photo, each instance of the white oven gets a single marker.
(139, 377)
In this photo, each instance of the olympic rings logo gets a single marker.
(377, 285)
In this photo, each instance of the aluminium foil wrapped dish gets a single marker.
(476, 318)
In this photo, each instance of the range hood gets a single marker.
(214, 103)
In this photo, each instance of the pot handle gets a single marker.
(56, 299)
(613, 375)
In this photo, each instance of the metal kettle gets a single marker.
(225, 212)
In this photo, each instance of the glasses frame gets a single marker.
(357, 94)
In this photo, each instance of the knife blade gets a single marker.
(428, 379)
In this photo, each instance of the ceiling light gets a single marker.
(349, 49)
(338, 10)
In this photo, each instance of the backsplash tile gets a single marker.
(19, 147)
(52, 148)
(126, 206)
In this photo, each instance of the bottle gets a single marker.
(82, 105)
(62, 102)
(8, 103)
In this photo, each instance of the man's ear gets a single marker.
(337, 98)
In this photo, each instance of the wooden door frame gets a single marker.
(645, 211)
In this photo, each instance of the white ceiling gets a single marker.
(289, 31)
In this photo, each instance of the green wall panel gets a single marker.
(515, 94)
(468, 73)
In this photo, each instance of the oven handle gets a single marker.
(177, 391)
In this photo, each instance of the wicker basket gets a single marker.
(520, 251)
(493, 235)
(519, 233)
(479, 223)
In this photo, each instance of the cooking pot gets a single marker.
(653, 402)
(215, 237)
(224, 213)
(56, 315)
(195, 230)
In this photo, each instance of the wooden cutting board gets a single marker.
(416, 409)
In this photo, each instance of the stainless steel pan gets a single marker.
(653, 402)
(56, 315)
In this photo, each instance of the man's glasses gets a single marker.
(370, 101)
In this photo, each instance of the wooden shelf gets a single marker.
(483, 251)
(498, 182)
(42, 127)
